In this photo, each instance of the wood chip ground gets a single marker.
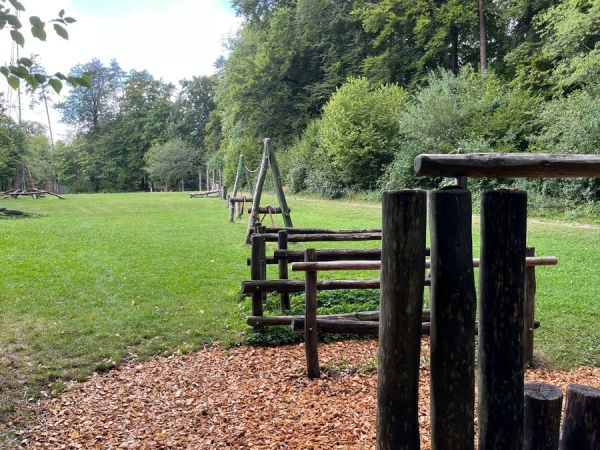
(240, 398)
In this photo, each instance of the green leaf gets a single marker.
(13, 20)
(25, 62)
(17, 5)
(40, 77)
(17, 37)
(60, 75)
(56, 85)
(61, 13)
(32, 81)
(2, 22)
(39, 33)
(19, 71)
(4, 71)
(60, 30)
(13, 82)
(70, 20)
(36, 22)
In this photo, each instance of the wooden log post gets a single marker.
(236, 185)
(282, 244)
(285, 210)
(453, 306)
(402, 273)
(581, 425)
(543, 405)
(529, 310)
(502, 281)
(260, 182)
(257, 272)
(310, 322)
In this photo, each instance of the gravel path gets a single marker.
(240, 398)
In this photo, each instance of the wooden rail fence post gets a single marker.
(310, 321)
(543, 403)
(262, 174)
(581, 425)
(257, 269)
(453, 306)
(502, 282)
(282, 244)
(402, 274)
(529, 311)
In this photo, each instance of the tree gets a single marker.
(193, 108)
(562, 53)
(171, 162)
(91, 108)
(22, 69)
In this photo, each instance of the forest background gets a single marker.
(349, 91)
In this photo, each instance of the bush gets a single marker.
(460, 111)
(359, 131)
(349, 148)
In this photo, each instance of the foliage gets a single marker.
(461, 111)
(93, 108)
(171, 162)
(565, 54)
(571, 125)
(22, 69)
(359, 131)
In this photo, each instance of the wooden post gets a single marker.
(402, 274)
(287, 219)
(257, 272)
(529, 310)
(581, 425)
(249, 181)
(453, 306)
(208, 179)
(236, 186)
(282, 244)
(543, 403)
(310, 321)
(260, 182)
(502, 281)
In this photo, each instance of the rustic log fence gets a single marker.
(511, 415)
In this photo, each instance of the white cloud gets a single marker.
(176, 40)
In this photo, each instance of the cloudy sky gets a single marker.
(172, 39)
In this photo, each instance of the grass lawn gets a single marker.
(99, 279)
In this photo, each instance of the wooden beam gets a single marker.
(508, 165)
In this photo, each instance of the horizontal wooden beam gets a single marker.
(249, 287)
(325, 237)
(357, 326)
(318, 230)
(508, 165)
(376, 265)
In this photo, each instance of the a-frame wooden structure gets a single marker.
(268, 160)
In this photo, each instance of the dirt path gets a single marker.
(242, 398)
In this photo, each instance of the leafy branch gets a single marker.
(21, 70)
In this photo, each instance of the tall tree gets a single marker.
(92, 108)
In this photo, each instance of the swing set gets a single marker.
(239, 205)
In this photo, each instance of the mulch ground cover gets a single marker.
(239, 398)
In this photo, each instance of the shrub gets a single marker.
(460, 111)
(359, 130)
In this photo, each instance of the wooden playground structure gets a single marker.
(511, 414)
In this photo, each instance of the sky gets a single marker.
(172, 39)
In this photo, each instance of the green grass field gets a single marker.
(96, 280)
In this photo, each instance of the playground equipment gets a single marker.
(511, 415)
(24, 186)
(268, 161)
